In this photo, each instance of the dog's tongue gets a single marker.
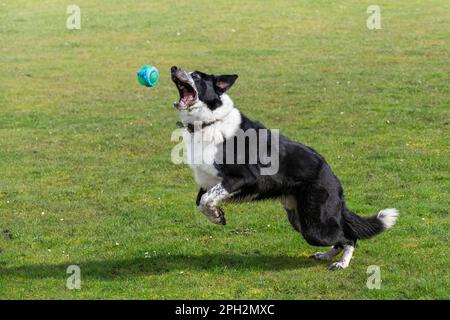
(183, 102)
(187, 97)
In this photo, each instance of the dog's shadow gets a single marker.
(160, 264)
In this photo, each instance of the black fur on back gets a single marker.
(321, 215)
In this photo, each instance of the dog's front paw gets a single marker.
(214, 214)
(221, 220)
(217, 216)
(337, 266)
(221, 213)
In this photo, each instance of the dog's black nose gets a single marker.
(173, 69)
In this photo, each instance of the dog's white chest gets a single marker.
(202, 148)
(204, 145)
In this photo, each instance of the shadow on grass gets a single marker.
(160, 264)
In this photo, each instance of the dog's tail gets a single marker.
(367, 227)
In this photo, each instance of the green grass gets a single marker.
(82, 142)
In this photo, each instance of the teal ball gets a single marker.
(148, 76)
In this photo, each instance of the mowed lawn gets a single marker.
(85, 172)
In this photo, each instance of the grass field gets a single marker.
(85, 171)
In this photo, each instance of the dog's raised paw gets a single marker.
(223, 221)
(217, 216)
(337, 266)
(218, 220)
(221, 218)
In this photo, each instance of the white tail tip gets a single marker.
(388, 217)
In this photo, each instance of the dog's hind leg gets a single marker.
(346, 257)
(290, 204)
(327, 255)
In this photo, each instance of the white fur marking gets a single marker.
(345, 261)
(388, 217)
(210, 200)
(202, 147)
(347, 255)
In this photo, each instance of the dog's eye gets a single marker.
(195, 76)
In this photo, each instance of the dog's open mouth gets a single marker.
(187, 93)
(185, 86)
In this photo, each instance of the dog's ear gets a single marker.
(224, 82)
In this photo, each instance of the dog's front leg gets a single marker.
(209, 201)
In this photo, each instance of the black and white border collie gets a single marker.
(309, 191)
